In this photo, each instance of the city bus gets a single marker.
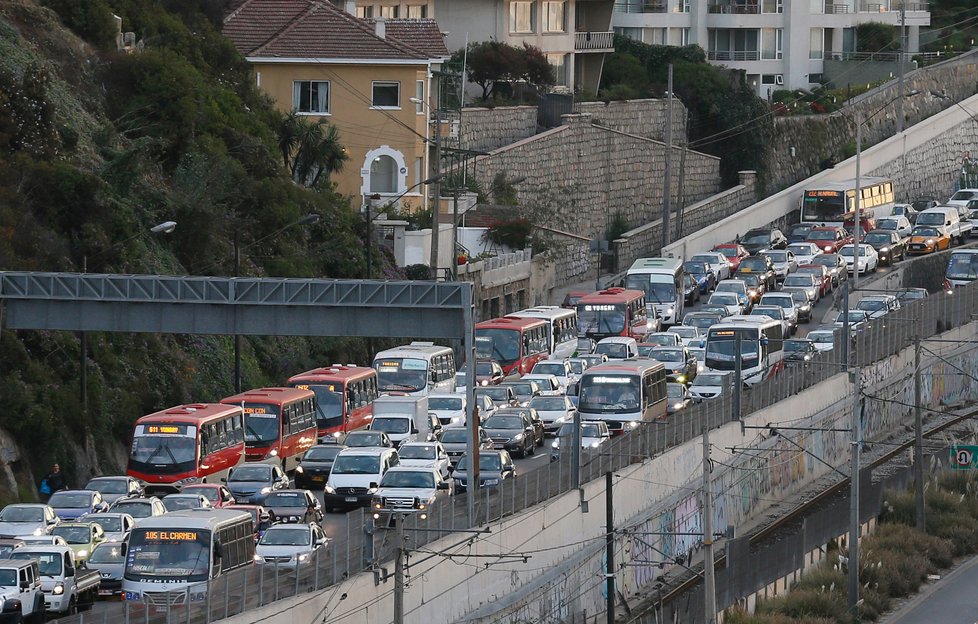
(833, 204)
(344, 396)
(613, 312)
(561, 328)
(170, 559)
(661, 279)
(278, 422)
(516, 343)
(761, 351)
(186, 444)
(417, 369)
(623, 393)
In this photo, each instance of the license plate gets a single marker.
(319, 479)
(746, 270)
(351, 499)
(498, 446)
(105, 592)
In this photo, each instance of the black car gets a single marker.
(691, 290)
(494, 468)
(836, 265)
(315, 466)
(539, 430)
(763, 238)
(298, 506)
(761, 266)
(798, 233)
(799, 350)
(512, 432)
(888, 245)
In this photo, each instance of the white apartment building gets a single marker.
(780, 44)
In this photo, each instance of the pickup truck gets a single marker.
(408, 489)
(68, 586)
(21, 598)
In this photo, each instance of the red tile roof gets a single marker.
(317, 29)
(422, 34)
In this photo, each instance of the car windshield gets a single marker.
(753, 264)
(408, 479)
(964, 195)
(705, 259)
(322, 453)
(724, 298)
(925, 231)
(696, 268)
(782, 300)
(674, 391)
(109, 524)
(887, 224)
(108, 486)
(848, 251)
(821, 235)
(612, 350)
(548, 404)
(796, 345)
(15, 513)
(777, 256)
(503, 422)
(522, 390)
(70, 500)
(799, 297)
(871, 305)
(550, 368)
(356, 464)
(667, 355)
(178, 502)
(769, 312)
(390, 424)
(444, 403)
(683, 332)
(286, 536)
(878, 239)
(454, 436)
(854, 317)
(74, 534)
(700, 322)
(48, 563)
(963, 266)
(804, 281)
(250, 473)
(577, 366)
(483, 369)
(821, 337)
(365, 438)
(106, 553)
(499, 393)
(709, 379)
(487, 462)
(827, 260)
(285, 499)
(136, 509)
(417, 451)
(756, 238)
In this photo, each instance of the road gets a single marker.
(952, 600)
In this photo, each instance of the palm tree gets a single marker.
(310, 149)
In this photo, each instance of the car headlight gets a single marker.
(517, 437)
(484, 382)
(677, 406)
(681, 378)
(303, 557)
(329, 490)
(82, 553)
(555, 444)
(808, 357)
(752, 293)
(266, 489)
(38, 531)
(595, 444)
(930, 241)
(299, 469)
(828, 248)
(273, 452)
(58, 589)
(257, 557)
(371, 490)
(806, 308)
(294, 518)
(884, 249)
(491, 482)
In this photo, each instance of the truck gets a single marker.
(404, 418)
(67, 585)
(21, 597)
(408, 489)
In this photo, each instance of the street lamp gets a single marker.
(435, 173)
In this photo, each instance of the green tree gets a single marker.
(89, 19)
(492, 62)
(310, 149)
(876, 37)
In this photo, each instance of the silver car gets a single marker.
(107, 559)
(115, 525)
(554, 411)
(291, 545)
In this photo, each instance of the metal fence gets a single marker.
(367, 546)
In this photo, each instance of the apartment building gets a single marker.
(779, 44)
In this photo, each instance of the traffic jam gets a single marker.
(248, 480)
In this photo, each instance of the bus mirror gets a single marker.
(218, 551)
(123, 547)
(764, 341)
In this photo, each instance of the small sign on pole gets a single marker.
(963, 457)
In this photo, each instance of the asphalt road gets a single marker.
(952, 600)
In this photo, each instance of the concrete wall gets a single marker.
(931, 149)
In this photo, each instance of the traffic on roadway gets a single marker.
(265, 479)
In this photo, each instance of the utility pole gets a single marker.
(667, 173)
(903, 49)
(237, 337)
(435, 209)
(918, 431)
(859, 193)
(738, 375)
(709, 581)
(846, 338)
(854, 495)
(610, 546)
(575, 462)
(454, 265)
(369, 241)
(399, 570)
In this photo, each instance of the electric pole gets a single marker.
(435, 208)
(399, 569)
(667, 173)
(918, 442)
(903, 49)
(854, 495)
(709, 581)
(610, 546)
(857, 227)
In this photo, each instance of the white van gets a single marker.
(962, 267)
(355, 476)
(947, 219)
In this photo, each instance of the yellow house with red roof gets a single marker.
(315, 59)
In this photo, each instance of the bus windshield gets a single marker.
(505, 343)
(261, 423)
(963, 267)
(401, 374)
(655, 291)
(609, 393)
(721, 349)
(329, 403)
(168, 555)
(823, 206)
(600, 319)
(164, 453)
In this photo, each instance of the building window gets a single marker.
(559, 63)
(772, 6)
(771, 43)
(681, 6)
(417, 11)
(390, 12)
(679, 36)
(365, 12)
(386, 94)
(310, 97)
(635, 34)
(419, 96)
(520, 17)
(383, 175)
(655, 36)
(418, 171)
(553, 17)
(815, 46)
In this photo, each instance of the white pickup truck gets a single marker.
(21, 598)
(67, 586)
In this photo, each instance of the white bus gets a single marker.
(416, 369)
(661, 279)
(833, 204)
(561, 326)
(761, 348)
(169, 559)
(623, 393)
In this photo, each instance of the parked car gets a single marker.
(799, 350)
(888, 244)
(734, 254)
(763, 238)
(829, 239)
(867, 262)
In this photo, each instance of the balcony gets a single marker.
(911, 6)
(641, 6)
(594, 41)
(733, 55)
(734, 8)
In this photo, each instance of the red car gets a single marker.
(217, 494)
(829, 239)
(868, 225)
(734, 253)
(821, 274)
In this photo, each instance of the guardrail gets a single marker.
(587, 40)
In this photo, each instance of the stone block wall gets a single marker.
(645, 241)
(800, 145)
(485, 129)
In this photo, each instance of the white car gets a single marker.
(290, 545)
(900, 225)
(869, 258)
(804, 252)
(407, 489)
(617, 347)
(549, 384)
(824, 339)
(593, 435)
(709, 385)
(448, 408)
(561, 369)
(716, 261)
(139, 507)
(554, 411)
(27, 519)
(115, 525)
(687, 333)
(784, 301)
(878, 305)
(578, 366)
(729, 300)
(424, 455)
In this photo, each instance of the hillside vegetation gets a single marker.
(97, 147)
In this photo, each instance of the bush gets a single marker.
(89, 19)
(514, 233)
(417, 272)
(808, 604)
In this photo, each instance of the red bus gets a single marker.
(612, 312)
(516, 343)
(186, 444)
(344, 396)
(278, 422)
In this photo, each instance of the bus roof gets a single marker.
(275, 396)
(510, 322)
(211, 518)
(757, 325)
(655, 265)
(847, 185)
(191, 413)
(617, 295)
(413, 349)
(545, 312)
(336, 372)
(634, 366)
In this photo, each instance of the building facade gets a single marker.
(779, 44)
